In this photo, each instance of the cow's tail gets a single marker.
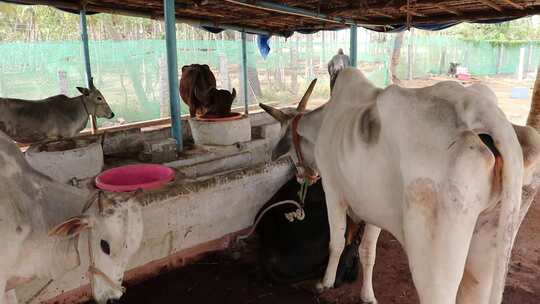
(511, 179)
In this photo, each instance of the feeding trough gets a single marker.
(221, 131)
(66, 160)
(134, 177)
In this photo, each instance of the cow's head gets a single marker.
(95, 102)
(115, 229)
(215, 101)
(285, 117)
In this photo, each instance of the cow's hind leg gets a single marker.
(337, 220)
(11, 297)
(367, 252)
(437, 251)
(475, 287)
(3, 283)
(439, 219)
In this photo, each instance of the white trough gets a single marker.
(187, 217)
(67, 160)
(221, 132)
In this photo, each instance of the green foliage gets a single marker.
(513, 32)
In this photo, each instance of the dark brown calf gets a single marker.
(198, 90)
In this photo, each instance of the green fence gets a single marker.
(131, 73)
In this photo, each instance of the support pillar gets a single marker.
(86, 55)
(353, 45)
(172, 72)
(245, 81)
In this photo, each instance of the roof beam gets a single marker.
(515, 5)
(284, 9)
(411, 11)
(379, 13)
(450, 10)
(492, 5)
(469, 17)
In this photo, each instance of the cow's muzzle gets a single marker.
(111, 116)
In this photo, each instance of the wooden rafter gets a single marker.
(492, 4)
(515, 5)
(450, 10)
(411, 11)
(379, 13)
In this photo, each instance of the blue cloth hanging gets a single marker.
(263, 44)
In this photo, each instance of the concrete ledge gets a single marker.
(180, 218)
(152, 269)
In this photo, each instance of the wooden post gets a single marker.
(62, 82)
(164, 107)
(500, 59)
(534, 113)
(410, 55)
(521, 63)
(224, 71)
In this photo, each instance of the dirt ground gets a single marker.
(234, 277)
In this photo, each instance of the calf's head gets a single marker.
(95, 102)
(115, 232)
(215, 101)
(285, 145)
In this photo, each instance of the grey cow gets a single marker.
(41, 221)
(339, 62)
(52, 118)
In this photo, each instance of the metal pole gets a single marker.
(353, 45)
(244, 72)
(172, 69)
(88, 69)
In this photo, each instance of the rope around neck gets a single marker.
(290, 216)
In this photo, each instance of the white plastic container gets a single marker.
(221, 131)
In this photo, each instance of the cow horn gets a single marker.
(303, 102)
(277, 114)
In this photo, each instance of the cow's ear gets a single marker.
(184, 68)
(233, 93)
(84, 91)
(71, 227)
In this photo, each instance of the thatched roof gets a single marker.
(327, 14)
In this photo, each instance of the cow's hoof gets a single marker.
(320, 287)
(369, 301)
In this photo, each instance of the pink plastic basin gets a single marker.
(133, 177)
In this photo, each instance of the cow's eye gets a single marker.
(99, 98)
(105, 247)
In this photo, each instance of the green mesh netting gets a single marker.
(131, 73)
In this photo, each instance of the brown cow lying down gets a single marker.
(198, 90)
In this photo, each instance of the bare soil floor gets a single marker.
(235, 277)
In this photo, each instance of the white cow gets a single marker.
(483, 235)
(41, 221)
(431, 166)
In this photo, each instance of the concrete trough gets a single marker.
(221, 132)
(66, 160)
(185, 218)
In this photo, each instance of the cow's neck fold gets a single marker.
(308, 130)
(86, 108)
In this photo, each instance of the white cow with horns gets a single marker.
(440, 168)
(43, 221)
